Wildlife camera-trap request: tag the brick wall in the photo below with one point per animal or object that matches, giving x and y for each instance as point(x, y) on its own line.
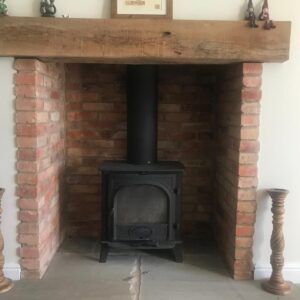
point(96, 131)
point(237, 123)
point(40, 141)
point(186, 123)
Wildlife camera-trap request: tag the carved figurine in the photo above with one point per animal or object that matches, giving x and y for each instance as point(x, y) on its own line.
point(3, 8)
point(48, 8)
point(5, 284)
point(265, 16)
point(277, 285)
point(251, 17)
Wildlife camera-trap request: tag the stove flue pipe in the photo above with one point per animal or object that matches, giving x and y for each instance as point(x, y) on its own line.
point(142, 102)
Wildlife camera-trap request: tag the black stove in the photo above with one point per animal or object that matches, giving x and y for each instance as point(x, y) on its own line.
point(141, 197)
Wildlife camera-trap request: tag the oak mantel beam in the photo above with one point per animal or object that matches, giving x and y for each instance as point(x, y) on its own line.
point(143, 41)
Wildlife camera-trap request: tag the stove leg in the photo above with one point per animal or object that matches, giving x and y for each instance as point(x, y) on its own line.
point(103, 253)
point(177, 252)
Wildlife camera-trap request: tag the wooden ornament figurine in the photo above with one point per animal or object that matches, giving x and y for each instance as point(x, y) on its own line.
point(48, 8)
point(5, 284)
point(265, 16)
point(251, 17)
point(3, 8)
point(276, 285)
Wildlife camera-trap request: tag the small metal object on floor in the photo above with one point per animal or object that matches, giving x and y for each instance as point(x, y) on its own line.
point(277, 285)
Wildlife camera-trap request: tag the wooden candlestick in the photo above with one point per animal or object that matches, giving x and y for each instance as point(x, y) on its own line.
point(276, 285)
point(5, 284)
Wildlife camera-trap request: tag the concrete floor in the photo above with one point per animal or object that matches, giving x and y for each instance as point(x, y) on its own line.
point(75, 274)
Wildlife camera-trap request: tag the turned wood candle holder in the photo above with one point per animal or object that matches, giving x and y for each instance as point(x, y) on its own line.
point(5, 284)
point(277, 285)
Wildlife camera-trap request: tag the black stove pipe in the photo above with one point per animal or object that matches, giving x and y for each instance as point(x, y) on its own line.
point(142, 95)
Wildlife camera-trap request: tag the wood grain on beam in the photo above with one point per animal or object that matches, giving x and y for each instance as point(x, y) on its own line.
point(143, 41)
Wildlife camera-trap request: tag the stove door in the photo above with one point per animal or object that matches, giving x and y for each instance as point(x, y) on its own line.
point(141, 213)
point(142, 207)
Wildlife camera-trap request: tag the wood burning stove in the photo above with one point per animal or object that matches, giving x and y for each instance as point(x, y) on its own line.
point(141, 197)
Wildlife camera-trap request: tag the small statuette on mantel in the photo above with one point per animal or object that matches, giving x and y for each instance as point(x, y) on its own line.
point(48, 8)
point(3, 8)
point(251, 17)
point(265, 16)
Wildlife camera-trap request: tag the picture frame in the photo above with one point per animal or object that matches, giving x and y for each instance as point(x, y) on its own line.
point(141, 9)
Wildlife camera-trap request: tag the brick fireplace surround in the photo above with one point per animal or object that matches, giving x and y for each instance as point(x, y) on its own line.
point(70, 117)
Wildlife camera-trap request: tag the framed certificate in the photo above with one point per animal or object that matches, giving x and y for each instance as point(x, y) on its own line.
point(142, 9)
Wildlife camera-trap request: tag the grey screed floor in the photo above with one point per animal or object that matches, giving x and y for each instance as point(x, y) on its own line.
point(75, 274)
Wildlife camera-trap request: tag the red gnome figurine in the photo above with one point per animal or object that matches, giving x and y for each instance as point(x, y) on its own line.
point(265, 16)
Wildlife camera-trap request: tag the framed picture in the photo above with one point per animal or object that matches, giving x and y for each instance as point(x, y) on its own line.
point(142, 9)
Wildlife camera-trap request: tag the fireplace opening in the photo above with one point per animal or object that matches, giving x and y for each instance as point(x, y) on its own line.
point(72, 117)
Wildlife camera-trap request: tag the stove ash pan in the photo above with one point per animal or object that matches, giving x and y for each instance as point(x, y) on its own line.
point(141, 206)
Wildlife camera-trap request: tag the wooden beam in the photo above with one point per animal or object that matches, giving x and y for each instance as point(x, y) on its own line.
point(143, 41)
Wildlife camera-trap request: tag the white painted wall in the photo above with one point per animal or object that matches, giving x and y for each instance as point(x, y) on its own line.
point(7, 167)
point(280, 122)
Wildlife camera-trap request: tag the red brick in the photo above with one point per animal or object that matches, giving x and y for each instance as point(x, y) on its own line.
point(28, 239)
point(98, 107)
point(250, 120)
point(26, 191)
point(251, 95)
point(247, 171)
point(31, 142)
point(29, 252)
point(250, 133)
point(247, 182)
point(27, 166)
point(26, 117)
point(244, 253)
point(29, 78)
point(251, 108)
point(244, 243)
point(28, 216)
point(30, 264)
point(27, 91)
point(25, 64)
point(246, 194)
point(42, 117)
point(55, 116)
point(31, 130)
point(248, 158)
point(25, 178)
point(245, 218)
point(81, 116)
point(28, 228)
point(252, 82)
point(24, 104)
point(28, 204)
point(30, 65)
point(252, 68)
point(73, 96)
point(27, 130)
point(27, 154)
point(244, 231)
point(249, 146)
point(56, 95)
point(246, 206)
